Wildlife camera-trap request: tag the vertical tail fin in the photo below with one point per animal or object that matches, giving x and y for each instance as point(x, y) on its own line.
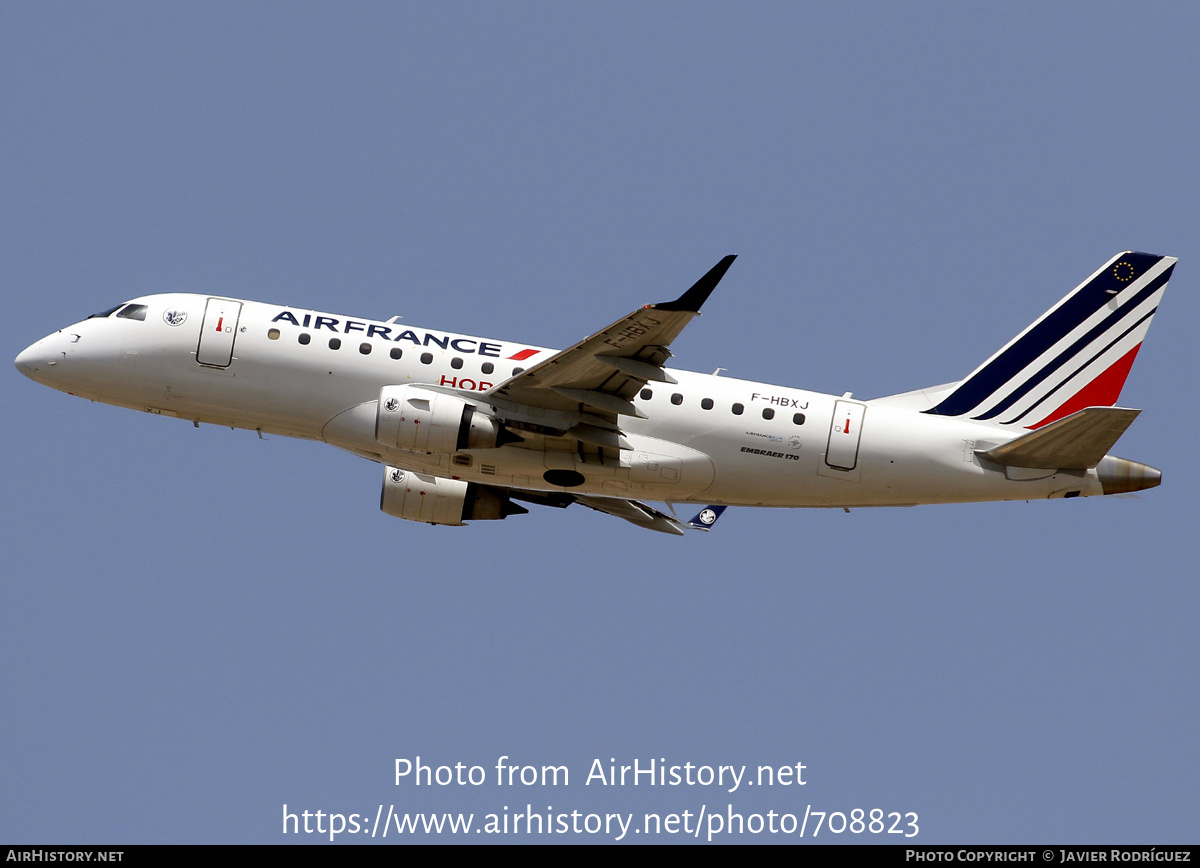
point(1076, 355)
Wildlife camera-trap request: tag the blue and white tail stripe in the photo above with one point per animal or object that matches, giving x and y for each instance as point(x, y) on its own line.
point(1076, 355)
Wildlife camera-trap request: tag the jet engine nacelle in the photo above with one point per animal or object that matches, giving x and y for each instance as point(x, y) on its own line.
point(436, 500)
point(424, 420)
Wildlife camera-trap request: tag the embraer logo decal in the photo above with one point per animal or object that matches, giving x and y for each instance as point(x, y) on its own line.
point(422, 339)
point(770, 454)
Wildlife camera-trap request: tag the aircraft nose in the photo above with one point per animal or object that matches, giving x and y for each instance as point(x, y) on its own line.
point(37, 360)
point(27, 360)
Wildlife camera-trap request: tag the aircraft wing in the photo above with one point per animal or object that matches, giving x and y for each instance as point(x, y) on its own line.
point(595, 380)
point(633, 511)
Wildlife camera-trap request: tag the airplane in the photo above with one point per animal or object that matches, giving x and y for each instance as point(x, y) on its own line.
point(469, 428)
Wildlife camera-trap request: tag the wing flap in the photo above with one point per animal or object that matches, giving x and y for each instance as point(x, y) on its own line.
point(638, 368)
point(601, 401)
point(606, 438)
point(634, 512)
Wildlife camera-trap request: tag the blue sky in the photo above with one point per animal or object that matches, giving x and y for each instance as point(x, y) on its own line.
point(202, 626)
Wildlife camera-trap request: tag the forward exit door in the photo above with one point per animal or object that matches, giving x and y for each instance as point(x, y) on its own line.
point(218, 331)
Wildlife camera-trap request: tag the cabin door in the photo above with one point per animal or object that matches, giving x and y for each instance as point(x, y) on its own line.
point(218, 332)
point(844, 432)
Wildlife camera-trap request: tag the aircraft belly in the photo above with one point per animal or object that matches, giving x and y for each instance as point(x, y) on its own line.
point(678, 476)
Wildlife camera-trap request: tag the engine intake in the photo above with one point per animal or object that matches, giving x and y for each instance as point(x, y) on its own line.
point(424, 420)
point(436, 500)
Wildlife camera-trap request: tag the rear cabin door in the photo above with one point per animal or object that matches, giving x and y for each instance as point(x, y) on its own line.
point(844, 431)
point(218, 332)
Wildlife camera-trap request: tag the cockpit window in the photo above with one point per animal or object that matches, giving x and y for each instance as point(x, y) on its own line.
point(134, 311)
point(108, 312)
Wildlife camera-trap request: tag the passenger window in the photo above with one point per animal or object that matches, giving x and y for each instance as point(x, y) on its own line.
point(738, 409)
point(335, 343)
point(677, 399)
point(456, 363)
point(304, 338)
point(396, 352)
point(646, 394)
point(517, 371)
point(426, 358)
point(364, 348)
point(134, 311)
point(488, 367)
point(798, 418)
point(768, 413)
point(273, 334)
point(706, 404)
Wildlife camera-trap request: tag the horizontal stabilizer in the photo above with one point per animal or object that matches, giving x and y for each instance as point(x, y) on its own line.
point(1078, 442)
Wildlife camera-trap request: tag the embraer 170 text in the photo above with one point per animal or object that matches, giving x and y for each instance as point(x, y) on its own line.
point(466, 427)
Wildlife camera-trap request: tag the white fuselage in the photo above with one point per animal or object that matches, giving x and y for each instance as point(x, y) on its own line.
point(706, 439)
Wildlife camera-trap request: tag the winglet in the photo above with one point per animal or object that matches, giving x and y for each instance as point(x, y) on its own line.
point(701, 289)
point(706, 518)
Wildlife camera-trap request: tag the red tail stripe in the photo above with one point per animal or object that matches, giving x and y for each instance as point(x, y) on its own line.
point(1100, 392)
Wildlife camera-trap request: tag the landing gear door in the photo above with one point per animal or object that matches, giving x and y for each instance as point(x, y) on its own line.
point(218, 331)
point(844, 432)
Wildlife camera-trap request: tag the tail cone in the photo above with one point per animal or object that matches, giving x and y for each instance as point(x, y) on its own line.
point(1120, 475)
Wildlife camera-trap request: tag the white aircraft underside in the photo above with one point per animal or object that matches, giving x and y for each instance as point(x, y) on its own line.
point(465, 426)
